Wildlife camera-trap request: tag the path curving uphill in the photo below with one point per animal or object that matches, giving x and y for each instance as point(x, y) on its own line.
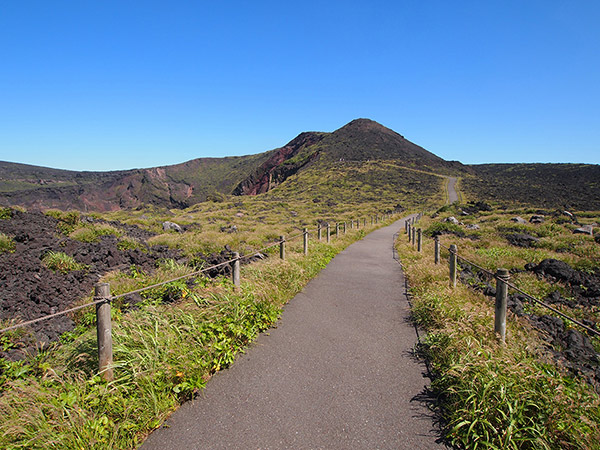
point(338, 371)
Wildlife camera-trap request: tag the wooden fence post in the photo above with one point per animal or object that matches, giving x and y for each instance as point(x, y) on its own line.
point(364, 223)
point(502, 277)
point(282, 247)
point(436, 254)
point(327, 230)
point(351, 223)
point(337, 230)
point(419, 242)
point(453, 252)
point(372, 220)
point(414, 235)
point(344, 227)
point(235, 270)
point(408, 232)
point(357, 224)
point(305, 238)
point(319, 232)
point(104, 331)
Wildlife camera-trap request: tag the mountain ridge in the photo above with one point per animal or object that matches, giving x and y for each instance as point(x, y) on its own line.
point(321, 155)
point(184, 184)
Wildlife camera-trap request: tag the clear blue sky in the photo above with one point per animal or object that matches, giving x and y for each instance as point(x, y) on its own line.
point(100, 85)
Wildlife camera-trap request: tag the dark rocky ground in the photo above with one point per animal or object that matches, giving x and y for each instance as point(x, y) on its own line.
point(29, 290)
point(571, 347)
point(563, 186)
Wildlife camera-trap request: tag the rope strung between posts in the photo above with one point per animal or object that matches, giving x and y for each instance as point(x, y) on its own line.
point(531, 297)
point(50, 316)
point(545, 305)
point(137, 291)
point(491, 274)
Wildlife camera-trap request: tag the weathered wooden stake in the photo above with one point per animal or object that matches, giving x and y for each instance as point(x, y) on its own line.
point(414, 235)
point(357, 224)
point(372, 220)
point(337, 230)
point(319, 232)
point(436, 253)
point(235, 270)
point(351, 223)
point(502, 277)
point(453, 252)
point(364, 223)
point(344, 227)
point(408, 231)
point(282, 247)
point(305, 238)
point(419, 237)
point(328, 233)
point(104, 331)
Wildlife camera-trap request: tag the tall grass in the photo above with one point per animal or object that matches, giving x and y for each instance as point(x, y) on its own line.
point(61, 262)
point(165, 350)
point(494, 396)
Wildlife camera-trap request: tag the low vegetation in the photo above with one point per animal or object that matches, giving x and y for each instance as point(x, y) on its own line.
point(7, 244)
point(167, 342)
point(564, 186)
point(61, 262)
point(522, 395)
point(92, 232)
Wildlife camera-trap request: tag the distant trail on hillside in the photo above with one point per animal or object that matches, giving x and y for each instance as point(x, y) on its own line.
point(338, 371)
point(450, 188)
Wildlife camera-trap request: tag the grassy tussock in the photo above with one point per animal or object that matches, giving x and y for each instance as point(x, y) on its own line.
point(91, 233)
point(493, 396)
point(164, 354)
point(7, 243)
point(61, 262)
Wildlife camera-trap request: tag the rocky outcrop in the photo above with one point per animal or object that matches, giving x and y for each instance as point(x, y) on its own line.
point(283, 163)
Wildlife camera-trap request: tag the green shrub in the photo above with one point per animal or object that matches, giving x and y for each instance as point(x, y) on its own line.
point(6, 243)
point(444, 228)
point(5, 213)
point(61, 262)
point(91, 233)
point(67, 221)
point(127, 243)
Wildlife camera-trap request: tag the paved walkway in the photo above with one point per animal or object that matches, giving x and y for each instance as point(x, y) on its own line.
point(451, 189)
point(336, 373)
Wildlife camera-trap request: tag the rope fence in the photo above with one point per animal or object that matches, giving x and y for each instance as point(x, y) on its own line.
point(103, 298)
point(502, 277)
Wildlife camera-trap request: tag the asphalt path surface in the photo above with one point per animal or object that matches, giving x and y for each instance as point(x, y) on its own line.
point(452, 194)
point(336, 373)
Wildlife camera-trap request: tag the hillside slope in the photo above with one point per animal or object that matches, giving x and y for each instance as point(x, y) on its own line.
point(360, 141)
point(564, 186)
point(175, 186)
point(183, 185)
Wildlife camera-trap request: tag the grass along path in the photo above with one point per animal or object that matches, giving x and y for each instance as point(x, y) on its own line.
point(337, 372)
point(497, 396)
point(164, 354)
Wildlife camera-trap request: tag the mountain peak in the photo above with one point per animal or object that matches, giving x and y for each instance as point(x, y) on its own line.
point(363, 124)
point(365, 139)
